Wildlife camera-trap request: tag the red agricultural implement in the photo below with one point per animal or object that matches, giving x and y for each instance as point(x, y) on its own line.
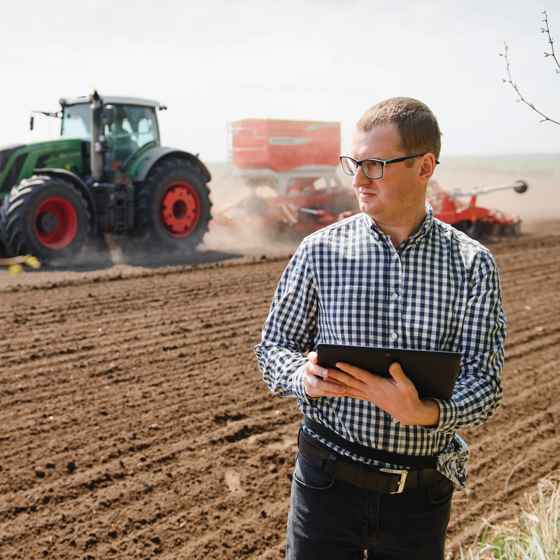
point(470, 218)
point(290, 167)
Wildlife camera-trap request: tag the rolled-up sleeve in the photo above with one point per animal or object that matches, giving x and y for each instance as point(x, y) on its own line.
point(478, 392)
point(288, 333)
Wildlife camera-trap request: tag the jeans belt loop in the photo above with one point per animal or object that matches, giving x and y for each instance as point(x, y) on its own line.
point(361, 480)
point(329, 464)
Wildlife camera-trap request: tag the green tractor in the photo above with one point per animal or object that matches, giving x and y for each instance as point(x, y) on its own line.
point(106, 174)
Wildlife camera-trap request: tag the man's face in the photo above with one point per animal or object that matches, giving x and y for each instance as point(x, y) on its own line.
point(396, 198)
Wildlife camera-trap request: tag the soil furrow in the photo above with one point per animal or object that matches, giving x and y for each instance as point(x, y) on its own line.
point(136, 423)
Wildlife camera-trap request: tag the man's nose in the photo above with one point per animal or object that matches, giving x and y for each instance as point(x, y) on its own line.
point(360, 177)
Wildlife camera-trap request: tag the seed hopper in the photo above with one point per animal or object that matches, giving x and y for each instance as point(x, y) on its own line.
point(291, 169)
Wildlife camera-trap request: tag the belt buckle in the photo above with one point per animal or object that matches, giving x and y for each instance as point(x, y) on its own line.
point(402, 481)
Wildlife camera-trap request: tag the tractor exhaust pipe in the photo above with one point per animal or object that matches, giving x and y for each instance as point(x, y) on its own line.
point(97, 140)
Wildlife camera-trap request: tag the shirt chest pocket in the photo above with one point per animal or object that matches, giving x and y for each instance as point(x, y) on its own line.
point(347, 315)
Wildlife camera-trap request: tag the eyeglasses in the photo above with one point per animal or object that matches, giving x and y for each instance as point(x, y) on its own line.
point(372, 168)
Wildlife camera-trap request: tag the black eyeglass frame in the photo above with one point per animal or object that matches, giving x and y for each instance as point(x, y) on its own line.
point(381, 161)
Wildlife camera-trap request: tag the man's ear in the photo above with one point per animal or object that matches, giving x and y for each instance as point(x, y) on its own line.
point(427, 168)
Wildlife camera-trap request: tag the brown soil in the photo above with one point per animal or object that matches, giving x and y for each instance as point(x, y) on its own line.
point(135, 423)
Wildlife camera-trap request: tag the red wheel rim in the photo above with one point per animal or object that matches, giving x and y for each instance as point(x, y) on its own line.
point(179, 210)
point(56, 223)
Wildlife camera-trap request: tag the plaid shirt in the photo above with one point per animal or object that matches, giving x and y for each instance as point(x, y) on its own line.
point(347, 284)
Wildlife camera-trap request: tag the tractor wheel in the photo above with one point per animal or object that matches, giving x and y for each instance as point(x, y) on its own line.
point(172, 207)
point(46, 217)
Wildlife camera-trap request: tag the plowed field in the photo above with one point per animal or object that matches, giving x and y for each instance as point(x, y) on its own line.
point(135, 424)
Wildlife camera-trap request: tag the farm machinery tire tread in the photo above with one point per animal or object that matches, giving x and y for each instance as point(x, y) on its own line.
point(28, 203)
point(172, 207)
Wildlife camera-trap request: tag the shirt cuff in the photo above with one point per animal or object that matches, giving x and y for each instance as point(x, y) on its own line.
point(298, 386)
point(448, 417)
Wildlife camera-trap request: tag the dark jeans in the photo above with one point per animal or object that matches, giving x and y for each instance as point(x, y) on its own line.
point(333, 520)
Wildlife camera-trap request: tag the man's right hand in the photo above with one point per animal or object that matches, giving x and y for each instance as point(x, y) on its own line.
point(316, 381)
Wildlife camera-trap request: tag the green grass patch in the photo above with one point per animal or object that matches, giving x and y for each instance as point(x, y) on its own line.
point(534, 535)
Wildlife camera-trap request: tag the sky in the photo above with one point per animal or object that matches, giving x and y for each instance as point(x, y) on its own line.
point(212, 62)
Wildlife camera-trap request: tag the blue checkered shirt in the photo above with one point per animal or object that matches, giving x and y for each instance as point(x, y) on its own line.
point(347, 284)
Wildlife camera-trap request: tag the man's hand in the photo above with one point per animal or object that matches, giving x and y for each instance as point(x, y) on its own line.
point(318, 382)
point(395, 395)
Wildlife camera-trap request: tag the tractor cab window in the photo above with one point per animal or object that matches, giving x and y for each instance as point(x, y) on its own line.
point(133, 127)
point(76, 122)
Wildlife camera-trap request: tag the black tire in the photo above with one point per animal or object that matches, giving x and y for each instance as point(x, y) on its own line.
point(470, 228)
point(46, 217)
point(172, 207)
point(4, 253)
point(512, 230)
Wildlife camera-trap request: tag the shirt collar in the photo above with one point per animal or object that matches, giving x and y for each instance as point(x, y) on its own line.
point(424, 228)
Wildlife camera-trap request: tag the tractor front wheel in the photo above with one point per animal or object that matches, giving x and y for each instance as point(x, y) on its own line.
point(46, 217)
point(172, 207)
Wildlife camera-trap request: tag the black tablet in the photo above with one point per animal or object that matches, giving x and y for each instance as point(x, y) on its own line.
point(433, 373)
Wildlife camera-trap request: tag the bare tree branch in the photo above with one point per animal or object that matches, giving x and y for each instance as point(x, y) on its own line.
point(546, 54)
point(551, 42)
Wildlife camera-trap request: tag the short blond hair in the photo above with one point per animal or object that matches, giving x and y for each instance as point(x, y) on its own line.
point(416, 124)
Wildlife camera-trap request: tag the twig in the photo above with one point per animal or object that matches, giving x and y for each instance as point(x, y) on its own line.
point(514, 85)
point(551, 42)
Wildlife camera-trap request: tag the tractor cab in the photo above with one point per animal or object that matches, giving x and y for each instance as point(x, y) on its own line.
point(128, 124)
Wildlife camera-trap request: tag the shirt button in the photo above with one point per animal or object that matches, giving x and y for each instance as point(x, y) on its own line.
point(395, 256)
point(394, 335)
point(394, 296)
point(395, 420)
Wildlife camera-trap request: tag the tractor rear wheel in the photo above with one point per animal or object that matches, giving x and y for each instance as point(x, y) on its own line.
point(172, 207)
point(46, 217)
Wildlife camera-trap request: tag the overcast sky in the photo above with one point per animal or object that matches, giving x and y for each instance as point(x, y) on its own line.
point(216, 61)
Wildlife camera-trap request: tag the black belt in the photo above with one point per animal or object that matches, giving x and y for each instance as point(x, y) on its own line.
point(379, 455)
point(385, 481)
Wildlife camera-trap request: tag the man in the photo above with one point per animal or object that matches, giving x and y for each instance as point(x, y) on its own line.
point(391, 276)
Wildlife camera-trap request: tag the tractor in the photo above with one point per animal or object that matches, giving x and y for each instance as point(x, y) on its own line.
point(107, 173)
